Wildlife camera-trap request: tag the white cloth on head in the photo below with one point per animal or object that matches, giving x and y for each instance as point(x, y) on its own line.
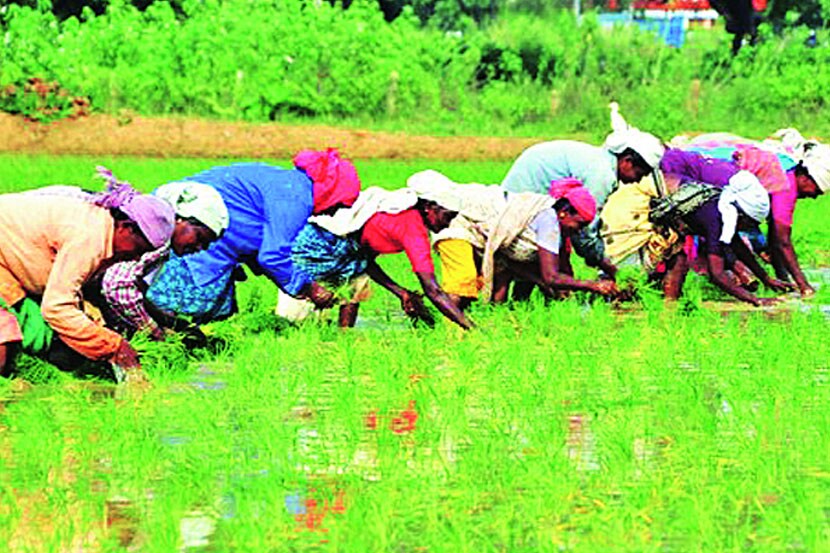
point(817, 162)
point(198, 201)
point(746, 192)
point(624, 136)
point(476, 201)
point(347, 220)
point(647, 145)
point(436, 187)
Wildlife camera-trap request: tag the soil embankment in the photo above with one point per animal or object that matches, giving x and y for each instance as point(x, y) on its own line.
point(174, 137)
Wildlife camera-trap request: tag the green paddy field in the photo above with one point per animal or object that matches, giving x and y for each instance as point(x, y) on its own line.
point(574, 426)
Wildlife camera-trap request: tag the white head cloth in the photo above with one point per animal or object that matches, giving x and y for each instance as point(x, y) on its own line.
point(436, 187)
point(624, 136)
point(198, 201)
point(347, 220)
point(817, 162)
point(747, 192)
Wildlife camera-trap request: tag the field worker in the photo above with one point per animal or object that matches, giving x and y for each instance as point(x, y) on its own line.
point(344, 245)
point(52, 241)
point(201, 218)
point(267, 205)
point(627, 155)
point(716, 215)
point(794, 170)
point(522, 234)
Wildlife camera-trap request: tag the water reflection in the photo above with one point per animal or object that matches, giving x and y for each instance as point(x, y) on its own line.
point(581, 443)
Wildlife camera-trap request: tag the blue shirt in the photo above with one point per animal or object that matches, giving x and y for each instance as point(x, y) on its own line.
point(542, 163)
point(268, 206)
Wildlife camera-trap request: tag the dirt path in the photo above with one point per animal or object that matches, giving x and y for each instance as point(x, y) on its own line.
point(168, 137)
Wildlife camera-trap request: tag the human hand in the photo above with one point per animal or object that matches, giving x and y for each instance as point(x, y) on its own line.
point(413, 305)
point(779, 285)
point(807, 291)
point(127, 367)
point(126, 357)
point(320, 296)
point(767, 302)
point(606, 288)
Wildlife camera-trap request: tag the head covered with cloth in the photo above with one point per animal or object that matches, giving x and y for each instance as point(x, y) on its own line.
point(52, 240)
point(154, 217)
point(743, 195)
point(201, 214)
point(638, 153)
point(335, 179)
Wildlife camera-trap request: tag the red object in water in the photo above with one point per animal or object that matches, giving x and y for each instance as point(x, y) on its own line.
point(339, 506)
point(406, 422)
point(312, 519)
point(372, 420)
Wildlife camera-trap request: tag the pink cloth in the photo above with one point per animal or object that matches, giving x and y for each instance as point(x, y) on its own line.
point(335, 179)
point(155, 217)
point(782, 203)
point(764, 165)
point(578, 196)
point(400, 232)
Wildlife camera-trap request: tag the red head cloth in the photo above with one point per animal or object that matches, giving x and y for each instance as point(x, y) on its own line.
point(335, 179)
point(578, 196)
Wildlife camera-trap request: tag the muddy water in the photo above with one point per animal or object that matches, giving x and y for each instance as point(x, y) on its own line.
point(782, 311)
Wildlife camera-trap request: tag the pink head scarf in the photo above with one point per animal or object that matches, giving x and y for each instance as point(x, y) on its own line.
point(335, 179)
point(578, 196)
point(155, 217)
point(764, 165)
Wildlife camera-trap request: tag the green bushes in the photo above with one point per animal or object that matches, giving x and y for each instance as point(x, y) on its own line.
point(520, 74)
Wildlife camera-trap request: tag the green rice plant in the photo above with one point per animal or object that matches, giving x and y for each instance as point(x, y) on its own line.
point(551, 426)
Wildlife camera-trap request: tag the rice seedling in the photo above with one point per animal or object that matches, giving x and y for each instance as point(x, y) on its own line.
point(565, 426)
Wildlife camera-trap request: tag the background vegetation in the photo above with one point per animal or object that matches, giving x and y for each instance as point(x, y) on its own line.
point(512, 69)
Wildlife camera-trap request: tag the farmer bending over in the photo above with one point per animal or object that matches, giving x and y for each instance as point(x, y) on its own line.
point(201, 218)
point(53, 240)
point(627, 155)
point(343, 246)
point(268, 206)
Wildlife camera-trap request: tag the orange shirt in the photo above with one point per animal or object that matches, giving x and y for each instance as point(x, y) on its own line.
point(49, 246)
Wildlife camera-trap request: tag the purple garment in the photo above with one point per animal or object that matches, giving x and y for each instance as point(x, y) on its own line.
point(155, 217)
point(692, 166)
point(706, 222)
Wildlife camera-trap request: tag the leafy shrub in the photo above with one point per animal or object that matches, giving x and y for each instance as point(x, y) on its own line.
point(38, 100)
point(278, 59)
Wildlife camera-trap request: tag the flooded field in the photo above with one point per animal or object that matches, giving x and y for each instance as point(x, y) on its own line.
point(550, 428)
point(563, 427)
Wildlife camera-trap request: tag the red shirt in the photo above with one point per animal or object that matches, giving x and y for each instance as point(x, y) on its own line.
point(400, 232)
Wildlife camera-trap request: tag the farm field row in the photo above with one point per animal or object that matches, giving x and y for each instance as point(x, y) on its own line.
point(572, 426)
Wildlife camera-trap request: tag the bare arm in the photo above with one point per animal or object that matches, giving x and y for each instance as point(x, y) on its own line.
point(411, 302)
point(784, 253)
point(379, 275)
point(442, 301)
point(744, 254)
point(552, 278)
point(718, 275)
